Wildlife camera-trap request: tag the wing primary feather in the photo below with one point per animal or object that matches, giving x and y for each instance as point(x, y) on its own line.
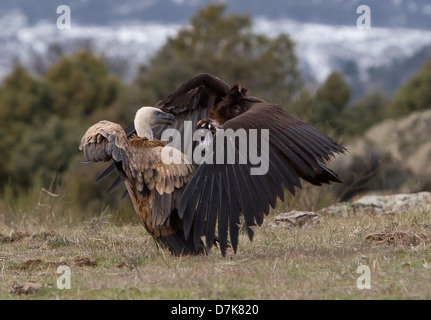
point(281, 169)
point(250, 232)
point(187, 194)
point(260, 203)
point(115, 185)
point(245, 203)
point(201, 213)
point(212, 213)
point(106, 173)
point(223, 216)
point(308, 144)
point(294, 153)
point(125, 195)
point(288, 175)
point(323, 140)
point(191, 206)
point(265, 182)
point(255, 194)
point(234, 211)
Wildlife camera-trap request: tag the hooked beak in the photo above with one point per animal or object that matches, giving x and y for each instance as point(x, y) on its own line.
point(165, 118)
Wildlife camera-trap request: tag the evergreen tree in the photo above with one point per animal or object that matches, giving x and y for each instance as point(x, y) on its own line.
point(225, 46)
point(364, 113)
point(415, 95)
point(81, 85)
point(42, 120)
point(331, 100)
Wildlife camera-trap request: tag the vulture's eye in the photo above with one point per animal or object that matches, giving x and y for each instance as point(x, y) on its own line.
point(158, 113)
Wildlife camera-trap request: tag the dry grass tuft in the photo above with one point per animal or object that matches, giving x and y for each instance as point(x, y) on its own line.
point(405, 238)
point(13, 236)
point(29, 287)
point(85, 262)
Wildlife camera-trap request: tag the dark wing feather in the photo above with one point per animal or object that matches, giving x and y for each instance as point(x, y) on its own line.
point(196, 93)
point(296, 150)
point(115, 185)
point(191, 102)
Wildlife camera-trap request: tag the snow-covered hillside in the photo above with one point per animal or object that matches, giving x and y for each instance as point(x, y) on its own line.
point(320, 48)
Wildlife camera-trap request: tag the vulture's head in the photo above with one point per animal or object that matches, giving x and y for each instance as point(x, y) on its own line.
point(149, 117)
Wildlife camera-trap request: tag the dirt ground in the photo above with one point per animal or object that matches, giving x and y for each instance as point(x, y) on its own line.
point(329, 260)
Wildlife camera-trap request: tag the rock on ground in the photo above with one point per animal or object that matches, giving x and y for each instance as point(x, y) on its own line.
point(296, 218)
point(374, 204)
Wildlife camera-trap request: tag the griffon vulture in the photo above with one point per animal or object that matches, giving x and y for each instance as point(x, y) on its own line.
point(154, 187)
point(217, 195)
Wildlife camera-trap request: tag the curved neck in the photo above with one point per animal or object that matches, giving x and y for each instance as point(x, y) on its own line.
point(145, 132)
point(143, 127)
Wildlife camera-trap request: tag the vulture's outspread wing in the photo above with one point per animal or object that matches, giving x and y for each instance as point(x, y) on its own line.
point(296, 150)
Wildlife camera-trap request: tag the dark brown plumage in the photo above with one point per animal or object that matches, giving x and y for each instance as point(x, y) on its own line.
point(217, 195)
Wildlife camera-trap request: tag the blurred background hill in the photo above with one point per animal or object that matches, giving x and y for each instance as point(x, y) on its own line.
point(390, 13)
point(367, 88)
point(325, 34)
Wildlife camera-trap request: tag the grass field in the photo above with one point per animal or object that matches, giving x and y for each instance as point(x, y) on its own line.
point(317, 262)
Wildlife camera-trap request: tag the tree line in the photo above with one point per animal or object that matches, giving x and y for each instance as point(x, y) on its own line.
point(43, 117)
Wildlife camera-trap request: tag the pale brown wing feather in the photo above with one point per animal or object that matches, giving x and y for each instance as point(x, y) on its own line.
point(164, 181)
point(104, 141)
